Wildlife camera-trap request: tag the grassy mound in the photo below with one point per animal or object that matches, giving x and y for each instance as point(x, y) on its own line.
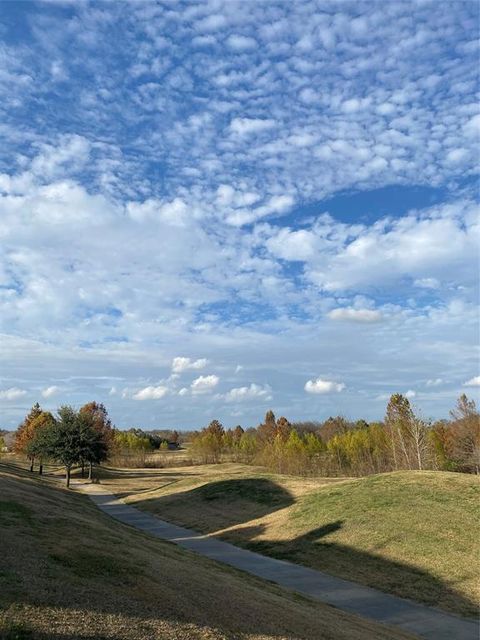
point(68, 571)
point(414, 534)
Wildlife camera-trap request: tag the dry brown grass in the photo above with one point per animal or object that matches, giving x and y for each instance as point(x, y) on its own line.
point(68, 571)
point(414, 534)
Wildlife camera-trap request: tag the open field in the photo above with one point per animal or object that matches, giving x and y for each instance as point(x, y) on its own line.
point(68, 571)
point(414, 534)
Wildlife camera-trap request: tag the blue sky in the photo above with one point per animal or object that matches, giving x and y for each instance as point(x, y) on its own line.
point(210, 209)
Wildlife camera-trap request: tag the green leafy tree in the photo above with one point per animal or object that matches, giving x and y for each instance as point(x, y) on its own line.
point(63, 441)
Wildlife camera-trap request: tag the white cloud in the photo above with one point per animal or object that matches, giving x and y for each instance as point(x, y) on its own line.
point(323, 386)
point(180, 364)
point(204, 384)
point(151, 393)
point(241, 43)
point(239, 394)
point(456, 156)
point(427, 246)
point(350, 314)
point(245, 126)
point(183, 391)
point(410, 393)
point(472, 127)
point(212, 22)
point(427, 283)
point(123, 246)
point(12, 394)
point(434, 382)
point(173, 213)
point(473, 382)
point(50, 391)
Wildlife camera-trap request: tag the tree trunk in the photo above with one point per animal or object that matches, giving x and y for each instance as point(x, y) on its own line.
point(40, 468)
point(404, 447)
point(67, 476)
point(394, 448)
point(83, 469)
point(32, 460)
point(90, 470)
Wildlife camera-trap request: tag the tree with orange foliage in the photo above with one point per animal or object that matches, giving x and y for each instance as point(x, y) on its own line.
point(96, 415)
point(25, 434)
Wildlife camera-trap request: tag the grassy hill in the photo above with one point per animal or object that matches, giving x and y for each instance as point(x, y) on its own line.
point(68, 571)
point(414, 534)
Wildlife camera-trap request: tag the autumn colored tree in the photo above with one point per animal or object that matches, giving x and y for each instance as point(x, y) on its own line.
point(238, 433)
point(94, 416)
point(465, 435)
point(266, 431)
point(209, 443)
point(333, 426)
point(35, 448)
point(283, 428)
point(25, 434)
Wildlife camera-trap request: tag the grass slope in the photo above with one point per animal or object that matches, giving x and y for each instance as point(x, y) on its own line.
point(68, 571)
point(414, 534)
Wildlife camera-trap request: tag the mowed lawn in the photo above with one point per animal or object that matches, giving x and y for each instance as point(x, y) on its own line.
point(415, 534)
point(69, 571)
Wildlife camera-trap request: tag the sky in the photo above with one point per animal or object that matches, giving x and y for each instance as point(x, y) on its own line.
point(210, 209)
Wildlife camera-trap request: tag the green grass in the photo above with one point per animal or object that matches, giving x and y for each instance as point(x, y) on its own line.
point(414, 534)
point(79, 574)
point(12, 512)
point(257, 490)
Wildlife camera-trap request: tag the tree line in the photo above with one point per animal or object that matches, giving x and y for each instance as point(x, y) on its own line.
point(70, 438)
point(338, 447)
point(84, 438)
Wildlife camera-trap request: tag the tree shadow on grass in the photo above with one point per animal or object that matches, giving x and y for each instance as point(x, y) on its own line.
point(221, 504)
point(314, 550)
point(230, 503)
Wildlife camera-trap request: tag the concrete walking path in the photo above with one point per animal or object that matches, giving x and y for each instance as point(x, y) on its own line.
point(417, 619)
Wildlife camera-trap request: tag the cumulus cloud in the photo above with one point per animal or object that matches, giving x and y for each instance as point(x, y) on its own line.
point(237, 202)
point(473, 382)
point(424, 246)
point(241, 43)
point(434, 382)
point(350, 314)
point(292, 245)
point(204, 384)
point(50, 391)
point(410, 393)
point(245, 126)
point(13, 393)
point(253, 391)
point(151, 393)
point(320, 386)
point(180, 364)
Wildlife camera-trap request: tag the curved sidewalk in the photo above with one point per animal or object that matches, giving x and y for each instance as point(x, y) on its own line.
point(423, 621)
